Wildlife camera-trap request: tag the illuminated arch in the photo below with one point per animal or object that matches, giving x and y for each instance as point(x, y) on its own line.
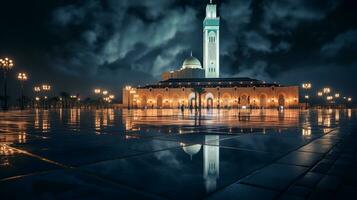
point(281, 99)
point(144, 101)
point(226, 98)
point(209, 98)
point(244, 99)
point(263, 98)
point(159, 101)
point(191, 99)
point(175, 101)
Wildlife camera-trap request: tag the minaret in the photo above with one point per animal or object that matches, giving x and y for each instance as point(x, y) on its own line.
point(211, 162)
point(211, 41)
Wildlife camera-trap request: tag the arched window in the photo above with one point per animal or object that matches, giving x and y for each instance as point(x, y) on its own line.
point(212, 37)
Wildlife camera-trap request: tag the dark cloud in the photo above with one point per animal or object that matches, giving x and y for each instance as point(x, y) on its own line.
point(115, 42)
point(342, 48)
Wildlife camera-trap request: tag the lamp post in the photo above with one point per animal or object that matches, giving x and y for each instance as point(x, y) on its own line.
point(97, 92)
point(105, 98)
point(306, 86)
point(326, 92)
point(22, 77)
point(128, 88)
point(6, 65)
point(37, 90)
point(46, 88)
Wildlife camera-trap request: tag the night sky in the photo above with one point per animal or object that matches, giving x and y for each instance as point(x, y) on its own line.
point(78, 45)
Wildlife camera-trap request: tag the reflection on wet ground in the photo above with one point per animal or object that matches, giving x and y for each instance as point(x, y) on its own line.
point(169, 154)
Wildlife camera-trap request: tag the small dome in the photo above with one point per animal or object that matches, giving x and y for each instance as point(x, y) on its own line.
point(191, 62)
point(192, 149)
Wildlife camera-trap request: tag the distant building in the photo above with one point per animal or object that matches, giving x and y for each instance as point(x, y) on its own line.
point(177, 87)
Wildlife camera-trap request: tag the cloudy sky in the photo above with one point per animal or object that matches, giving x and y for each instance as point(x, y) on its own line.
point(78, 45)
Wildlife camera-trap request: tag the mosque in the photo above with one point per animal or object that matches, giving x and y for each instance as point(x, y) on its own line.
point(194, 85)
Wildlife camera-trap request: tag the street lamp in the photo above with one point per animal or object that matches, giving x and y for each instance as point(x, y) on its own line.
point(320, 94)
point(326, 90)
point(105, 92)
point(22, 77)
point(97, 91)
point(306, 86)
point(37, 89)
point(46, 88)
point(128, 88)
point(349, 99)
point(6, 65)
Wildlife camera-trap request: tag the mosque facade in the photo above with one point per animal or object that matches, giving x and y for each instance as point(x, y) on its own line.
point(194, 85)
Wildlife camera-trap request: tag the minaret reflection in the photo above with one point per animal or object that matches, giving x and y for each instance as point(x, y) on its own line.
point(211, 162)
point(210, 159)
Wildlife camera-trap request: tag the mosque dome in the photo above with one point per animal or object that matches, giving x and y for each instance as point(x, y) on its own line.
point(191, 150)
point(191, 62)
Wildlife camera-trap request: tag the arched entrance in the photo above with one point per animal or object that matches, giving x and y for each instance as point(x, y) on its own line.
point(144, 101)
point(209, 103)
point(263, 100)
point(175, 102)
point(281, 100)
point(244, 100)
point(159, 101)
point(191, 100)
point(226, 100)
point(209, 100)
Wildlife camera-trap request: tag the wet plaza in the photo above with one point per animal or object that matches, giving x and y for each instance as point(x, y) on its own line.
point(169, 154)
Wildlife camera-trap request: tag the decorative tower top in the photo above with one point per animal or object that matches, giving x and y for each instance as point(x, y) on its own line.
point(211, 10)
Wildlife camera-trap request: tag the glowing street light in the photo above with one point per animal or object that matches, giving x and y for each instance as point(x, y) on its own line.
point(6, 65)
point(329, 98)
point(97, 91)
point(22, 77)
point(306, 85)
point(320, 94)
point(111, 96)
point(349, 99)
point(37, 89)
point(327, 90)
point(337, 95)
point(46, 87)
point(105, 92)
point(128, 89)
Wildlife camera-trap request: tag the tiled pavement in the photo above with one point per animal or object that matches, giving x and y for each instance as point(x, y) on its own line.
point(322, 169)
point(189, 163)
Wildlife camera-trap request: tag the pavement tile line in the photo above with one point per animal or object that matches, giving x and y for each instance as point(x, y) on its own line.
point(75, 169)
point(273, 161)
point(309, 169)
